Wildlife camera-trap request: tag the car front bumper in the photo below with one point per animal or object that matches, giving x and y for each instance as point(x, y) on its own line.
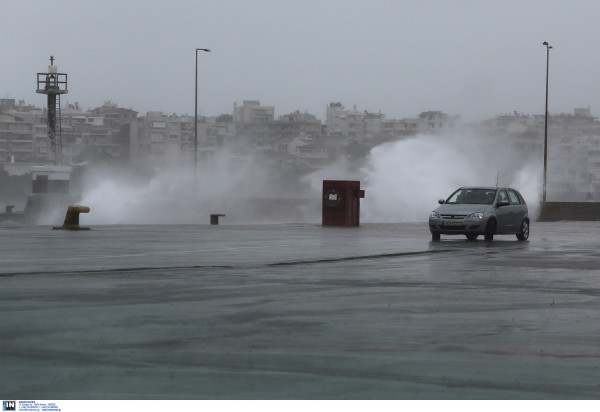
point(457, 227)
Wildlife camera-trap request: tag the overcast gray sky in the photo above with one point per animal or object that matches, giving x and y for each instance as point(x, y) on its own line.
point(474, 58)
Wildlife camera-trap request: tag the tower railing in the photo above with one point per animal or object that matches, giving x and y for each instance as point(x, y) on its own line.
point(52, 82)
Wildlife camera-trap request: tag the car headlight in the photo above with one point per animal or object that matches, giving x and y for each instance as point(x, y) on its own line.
point(434, 215)
point(476, 216)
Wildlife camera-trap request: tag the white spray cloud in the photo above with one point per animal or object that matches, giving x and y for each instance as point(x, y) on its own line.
point(114, 200)
point(406, 178)
point(528, 180)
point(179, 194)
point(403, 181)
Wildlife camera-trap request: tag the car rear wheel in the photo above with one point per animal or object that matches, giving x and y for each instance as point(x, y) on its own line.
point(472, 237)
point(524, 233)
point(490, 230)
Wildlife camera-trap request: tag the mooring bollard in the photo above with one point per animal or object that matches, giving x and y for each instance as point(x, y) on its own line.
point(72, 218)
point(214, 218)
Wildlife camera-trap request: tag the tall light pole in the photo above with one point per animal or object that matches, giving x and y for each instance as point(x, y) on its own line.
point(548, 47)
point(196, 113)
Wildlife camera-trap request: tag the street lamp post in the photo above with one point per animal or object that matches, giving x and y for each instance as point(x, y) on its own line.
point(196, 113)
point(548, 47)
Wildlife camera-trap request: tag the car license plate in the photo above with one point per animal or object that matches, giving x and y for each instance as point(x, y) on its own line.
point(452, 223)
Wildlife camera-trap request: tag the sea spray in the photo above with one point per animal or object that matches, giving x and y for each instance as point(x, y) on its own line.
point(403, 181)
point(246, 189)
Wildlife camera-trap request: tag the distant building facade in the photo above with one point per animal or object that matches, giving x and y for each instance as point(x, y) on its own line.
point(573, 172)
point(102, 133)
point(367, 126)
point(21, 132)
point(255, 125)
point(113, 134)
point(160, 135)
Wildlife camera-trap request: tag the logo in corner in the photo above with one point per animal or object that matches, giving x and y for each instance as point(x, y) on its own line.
point(9, 405)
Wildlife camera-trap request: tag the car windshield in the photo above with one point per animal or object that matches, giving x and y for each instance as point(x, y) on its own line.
point(473, 196)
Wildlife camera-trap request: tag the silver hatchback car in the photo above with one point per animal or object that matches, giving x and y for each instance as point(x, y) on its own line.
point(474, 211)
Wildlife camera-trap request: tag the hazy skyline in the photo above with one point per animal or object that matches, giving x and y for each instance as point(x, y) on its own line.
point(470, 58)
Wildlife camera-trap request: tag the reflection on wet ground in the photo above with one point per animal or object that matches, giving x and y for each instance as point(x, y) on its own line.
point(299, 311)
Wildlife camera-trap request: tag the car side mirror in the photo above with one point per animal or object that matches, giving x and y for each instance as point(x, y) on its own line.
point(503, 203)
point(441, 201)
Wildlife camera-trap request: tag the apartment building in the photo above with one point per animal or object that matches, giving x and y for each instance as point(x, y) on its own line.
point(160, 134)
point(16, 138)
point(251, 111)
point(111, 133)
point(574, 155)
point(255, 125)
point(573, 171)
point(102, 133)
point(367, 126)
point(20, 129)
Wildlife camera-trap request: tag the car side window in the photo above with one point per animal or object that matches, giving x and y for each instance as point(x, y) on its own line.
point(502, 196)
point(514, 199)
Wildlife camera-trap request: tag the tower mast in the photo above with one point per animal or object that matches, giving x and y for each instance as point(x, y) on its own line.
point(53, 84)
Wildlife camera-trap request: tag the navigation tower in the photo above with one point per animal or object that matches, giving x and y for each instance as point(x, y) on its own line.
point(53, 84)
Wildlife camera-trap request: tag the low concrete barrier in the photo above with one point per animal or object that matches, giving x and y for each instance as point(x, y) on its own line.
point(553, 211)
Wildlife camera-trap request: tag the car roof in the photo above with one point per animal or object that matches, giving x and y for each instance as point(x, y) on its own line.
point(487, 188)
point(477, 187)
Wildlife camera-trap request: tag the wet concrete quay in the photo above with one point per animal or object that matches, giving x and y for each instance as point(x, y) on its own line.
point(299, 312)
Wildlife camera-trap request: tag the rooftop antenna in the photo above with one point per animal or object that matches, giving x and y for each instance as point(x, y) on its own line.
point(497, 177)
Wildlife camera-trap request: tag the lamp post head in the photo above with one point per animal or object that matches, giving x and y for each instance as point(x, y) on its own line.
point(547, 45)
point(204, 50)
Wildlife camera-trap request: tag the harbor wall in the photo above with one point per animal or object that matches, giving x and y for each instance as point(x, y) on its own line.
point(553, 211)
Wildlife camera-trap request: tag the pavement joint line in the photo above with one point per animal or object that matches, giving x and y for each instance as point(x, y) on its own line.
point(361, 257)
point(275, 264)
point(173, 252)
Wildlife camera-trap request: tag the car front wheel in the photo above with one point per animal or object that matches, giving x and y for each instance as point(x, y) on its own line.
point(524, 233)
point(490, 230)
point(435, 236)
